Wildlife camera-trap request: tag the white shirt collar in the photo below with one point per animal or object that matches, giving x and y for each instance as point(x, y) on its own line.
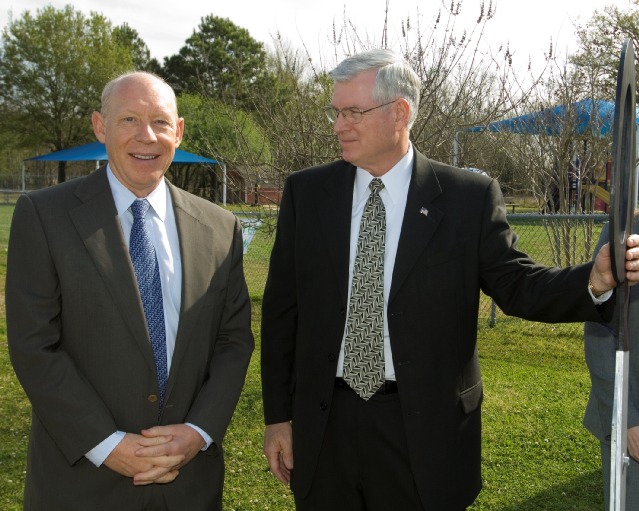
point(124, 197)
point(395, 181)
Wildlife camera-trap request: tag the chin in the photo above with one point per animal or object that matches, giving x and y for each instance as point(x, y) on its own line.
point(348, 156)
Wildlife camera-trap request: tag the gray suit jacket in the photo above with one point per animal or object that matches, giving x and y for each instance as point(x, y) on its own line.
point(80, 348)
point(600, 345)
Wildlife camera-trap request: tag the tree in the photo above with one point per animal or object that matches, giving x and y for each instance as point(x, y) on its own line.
point(220, 60)
point(53, 67)
point(600, 43)
point(461, 86)
point(220, 131)
point(130, 38)
point(561, 166)
point(293, 112)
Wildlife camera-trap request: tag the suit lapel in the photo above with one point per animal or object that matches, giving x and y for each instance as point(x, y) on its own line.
point(334, 217)
point(421, 219)
point(97, 224)
point(198, 265)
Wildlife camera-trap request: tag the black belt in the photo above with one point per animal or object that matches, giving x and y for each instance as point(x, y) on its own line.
point(388, 387)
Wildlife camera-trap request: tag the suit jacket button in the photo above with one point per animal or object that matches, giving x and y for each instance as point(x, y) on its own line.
point(331, 357)
point(323, 406)
point(152, 398)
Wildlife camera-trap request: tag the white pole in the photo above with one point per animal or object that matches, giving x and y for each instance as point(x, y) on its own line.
point(223, 183)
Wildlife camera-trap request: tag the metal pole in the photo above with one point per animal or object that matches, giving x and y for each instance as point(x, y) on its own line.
point(623, 200)
point(223, 183)
point(456, 149)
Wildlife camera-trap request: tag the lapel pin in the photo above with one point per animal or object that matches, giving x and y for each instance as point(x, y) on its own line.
point(424, 211)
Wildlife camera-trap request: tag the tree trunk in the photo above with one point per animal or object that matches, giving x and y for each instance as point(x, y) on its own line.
point(62, 171)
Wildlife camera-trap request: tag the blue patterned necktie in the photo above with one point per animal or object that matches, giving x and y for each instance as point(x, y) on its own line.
point(364, 345)
point(147, 273)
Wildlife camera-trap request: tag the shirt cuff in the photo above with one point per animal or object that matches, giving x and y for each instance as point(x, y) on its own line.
point(101, 452)
point(205, 436)
point(603, 298)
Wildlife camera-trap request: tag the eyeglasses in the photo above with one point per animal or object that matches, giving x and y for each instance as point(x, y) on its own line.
point(351, 115)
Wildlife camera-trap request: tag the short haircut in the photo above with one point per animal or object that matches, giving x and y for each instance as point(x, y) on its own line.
point(395, 77)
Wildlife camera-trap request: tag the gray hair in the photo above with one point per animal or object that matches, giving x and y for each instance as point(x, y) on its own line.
point(107, 92)
point(395, 77)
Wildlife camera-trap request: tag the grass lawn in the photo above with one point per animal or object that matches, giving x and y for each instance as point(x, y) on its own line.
point(536, 454)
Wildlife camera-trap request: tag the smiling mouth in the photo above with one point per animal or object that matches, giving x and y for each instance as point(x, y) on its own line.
point(145, 156)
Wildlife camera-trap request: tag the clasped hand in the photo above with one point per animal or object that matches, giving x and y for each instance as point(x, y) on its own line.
point(156, 455)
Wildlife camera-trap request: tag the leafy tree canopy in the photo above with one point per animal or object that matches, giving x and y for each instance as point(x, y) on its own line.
point(216, 130)
point(220, 60)
point(130, 38)
point(53, 66)
point(600, 43)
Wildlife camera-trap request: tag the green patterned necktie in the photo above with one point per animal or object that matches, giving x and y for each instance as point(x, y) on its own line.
point(364, 346)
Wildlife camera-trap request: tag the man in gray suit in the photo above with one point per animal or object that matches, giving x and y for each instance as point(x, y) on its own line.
point(116, 412)
point(600, 344)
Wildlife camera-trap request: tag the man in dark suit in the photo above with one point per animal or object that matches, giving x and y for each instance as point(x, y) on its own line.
point(371, 383)
point(600, 347)
point(118, 408)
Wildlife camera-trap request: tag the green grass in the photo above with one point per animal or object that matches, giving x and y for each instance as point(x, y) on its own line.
point(536, 454)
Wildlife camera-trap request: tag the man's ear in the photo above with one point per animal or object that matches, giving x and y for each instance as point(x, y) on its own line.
point(179, 132)
point(98, 126)
point(402, 112)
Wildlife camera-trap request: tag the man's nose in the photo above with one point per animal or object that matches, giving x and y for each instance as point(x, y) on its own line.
point(146, 133)
point(340, 124)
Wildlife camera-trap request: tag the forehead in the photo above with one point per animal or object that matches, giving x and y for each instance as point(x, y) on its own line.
point(358, 91)
point(142, 93)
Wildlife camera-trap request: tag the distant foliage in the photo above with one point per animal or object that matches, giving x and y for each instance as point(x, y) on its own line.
point(53, 66)
point(219, 60)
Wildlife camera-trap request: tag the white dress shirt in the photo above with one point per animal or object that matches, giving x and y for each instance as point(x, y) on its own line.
point(160, 223)
point(394, 194)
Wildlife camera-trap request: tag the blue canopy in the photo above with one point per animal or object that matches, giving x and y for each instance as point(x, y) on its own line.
point(96, 151)
point(587, 115)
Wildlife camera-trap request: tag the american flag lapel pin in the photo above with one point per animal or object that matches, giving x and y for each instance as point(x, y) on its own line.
point(424, 211)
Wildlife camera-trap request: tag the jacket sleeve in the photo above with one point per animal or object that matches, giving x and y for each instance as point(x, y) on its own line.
point(279, 318)
point(233, 344)
point(66, 404)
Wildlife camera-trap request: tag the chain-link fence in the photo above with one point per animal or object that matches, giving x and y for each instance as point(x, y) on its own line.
point(554, 240)
point(9, 197)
